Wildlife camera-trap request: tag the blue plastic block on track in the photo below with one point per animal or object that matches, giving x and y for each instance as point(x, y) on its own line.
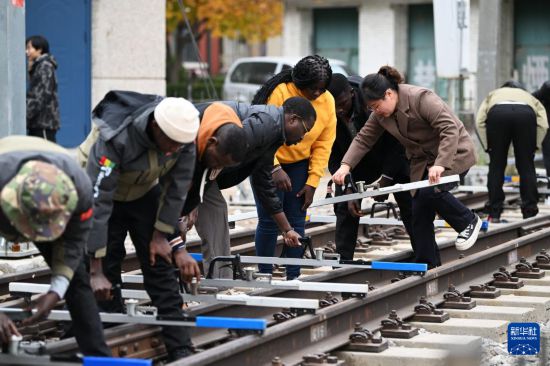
point(484, 225)
point(115, 361)
point(231, 323)
point(196, 256)
point(397, 266)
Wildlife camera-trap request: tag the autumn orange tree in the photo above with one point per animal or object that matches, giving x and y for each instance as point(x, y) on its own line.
point(250, 20)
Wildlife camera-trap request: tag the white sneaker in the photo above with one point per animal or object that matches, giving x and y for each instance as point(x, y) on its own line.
point(467, 238)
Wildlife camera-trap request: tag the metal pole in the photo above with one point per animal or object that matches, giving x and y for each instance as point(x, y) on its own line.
point(12, 68)
point(461, 23)
point(544, 346)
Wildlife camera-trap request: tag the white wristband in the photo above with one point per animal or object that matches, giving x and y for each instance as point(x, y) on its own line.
point(59, 285)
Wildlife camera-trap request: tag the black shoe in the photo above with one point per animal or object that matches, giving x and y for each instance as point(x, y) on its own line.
point(467, 238)
point(179, 354)
point(529, 212)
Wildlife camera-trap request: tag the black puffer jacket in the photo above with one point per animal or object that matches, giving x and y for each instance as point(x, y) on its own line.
point(264, 128)
point(42, 101)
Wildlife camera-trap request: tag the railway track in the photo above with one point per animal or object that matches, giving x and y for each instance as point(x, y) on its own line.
point(329, 328)
point(242, 242)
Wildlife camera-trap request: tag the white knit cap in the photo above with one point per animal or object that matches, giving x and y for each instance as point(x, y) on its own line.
point(178, 119)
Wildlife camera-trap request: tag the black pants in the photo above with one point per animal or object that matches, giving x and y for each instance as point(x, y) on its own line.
point(138, 217)
point(517, 124)
point(425, 204)
point(82, 306)
point(546, 154)
point(347, 225)
point(44, 133)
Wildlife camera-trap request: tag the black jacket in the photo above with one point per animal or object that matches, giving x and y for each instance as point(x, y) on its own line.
point(42, 101)
point(124, 164)
point(264, 128)
point(387, 155)
point(69, 248)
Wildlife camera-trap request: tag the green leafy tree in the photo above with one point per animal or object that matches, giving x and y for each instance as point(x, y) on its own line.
point(250, 20)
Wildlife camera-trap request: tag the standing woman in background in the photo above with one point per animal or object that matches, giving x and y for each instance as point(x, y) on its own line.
point(436, 143)
point(298, 168)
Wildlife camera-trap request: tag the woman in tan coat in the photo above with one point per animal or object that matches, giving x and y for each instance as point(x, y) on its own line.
point(436, 144)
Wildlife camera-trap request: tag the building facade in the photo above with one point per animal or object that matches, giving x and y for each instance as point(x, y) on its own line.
point(100, 45)
point(507, 39)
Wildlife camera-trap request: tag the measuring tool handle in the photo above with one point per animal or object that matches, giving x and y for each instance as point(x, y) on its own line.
point(196, 256)
point(398, 266)
point(231, 323)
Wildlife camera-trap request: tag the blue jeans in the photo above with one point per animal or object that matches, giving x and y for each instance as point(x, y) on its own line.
point(267, 230)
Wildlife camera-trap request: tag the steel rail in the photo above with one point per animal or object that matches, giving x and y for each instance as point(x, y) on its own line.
point(321, 332)
point(203, 338)
point(117, 335)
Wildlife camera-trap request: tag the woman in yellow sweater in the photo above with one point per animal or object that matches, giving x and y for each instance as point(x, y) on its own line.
point(297, 168)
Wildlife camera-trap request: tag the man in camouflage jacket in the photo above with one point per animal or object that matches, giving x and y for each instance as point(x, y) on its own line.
point(42, 101)
point(46, 198)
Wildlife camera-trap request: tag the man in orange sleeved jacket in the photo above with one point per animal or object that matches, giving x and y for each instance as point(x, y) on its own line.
point(267, 128)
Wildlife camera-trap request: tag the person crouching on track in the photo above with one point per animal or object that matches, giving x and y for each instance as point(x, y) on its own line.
point(298, 168)
point(267, 128)
point(507, 115)
point(140, 157)
point(436, 143)
point(47, 198)
point(386, 160)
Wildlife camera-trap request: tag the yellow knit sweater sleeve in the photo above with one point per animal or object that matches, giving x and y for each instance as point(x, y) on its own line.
point(321, 148)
